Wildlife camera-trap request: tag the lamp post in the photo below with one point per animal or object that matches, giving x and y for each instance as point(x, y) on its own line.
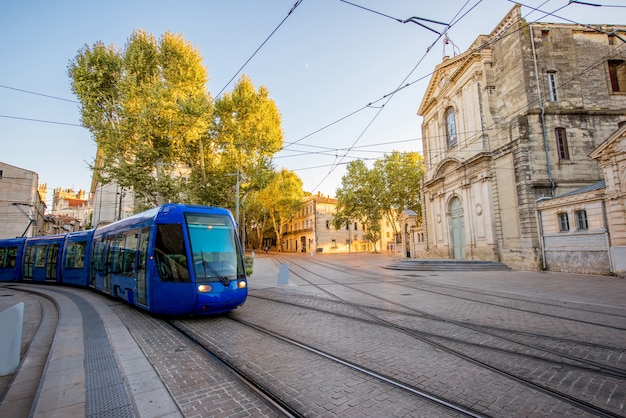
point(239, 178)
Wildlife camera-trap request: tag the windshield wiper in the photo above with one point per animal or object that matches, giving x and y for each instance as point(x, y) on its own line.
point(205, 264)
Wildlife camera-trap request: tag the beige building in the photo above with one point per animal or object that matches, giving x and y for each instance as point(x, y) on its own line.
point(312, 230)
point(75, 206)
point(22, 207)
point(511, 120)
point(585, 231)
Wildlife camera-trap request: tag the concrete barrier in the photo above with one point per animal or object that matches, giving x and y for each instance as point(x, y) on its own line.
point(11, 321)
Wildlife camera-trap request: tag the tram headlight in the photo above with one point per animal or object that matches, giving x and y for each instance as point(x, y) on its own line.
point(204, 288)
point(242, 284)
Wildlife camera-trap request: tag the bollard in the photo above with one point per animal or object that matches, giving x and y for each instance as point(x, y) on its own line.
point(11, 321)
point(283, 274)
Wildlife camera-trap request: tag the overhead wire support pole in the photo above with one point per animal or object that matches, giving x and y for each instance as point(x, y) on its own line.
point(31, 218)
point(413, 19)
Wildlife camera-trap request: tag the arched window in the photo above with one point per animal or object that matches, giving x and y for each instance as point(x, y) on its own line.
point(450, 127)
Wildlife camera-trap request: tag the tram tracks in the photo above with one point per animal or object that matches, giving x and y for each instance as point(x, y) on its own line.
point(282, 398)
point(512, 302)
point(481, 353)
point(569, 361)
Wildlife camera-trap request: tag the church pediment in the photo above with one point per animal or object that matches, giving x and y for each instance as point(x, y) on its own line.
point(613, 144)
point(447, 166)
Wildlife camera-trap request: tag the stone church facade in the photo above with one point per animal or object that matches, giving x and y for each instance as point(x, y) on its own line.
point(509, 121)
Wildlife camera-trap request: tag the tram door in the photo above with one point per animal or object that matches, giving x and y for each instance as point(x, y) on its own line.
point(457, 228)
point(52, 260)
point(144, 239)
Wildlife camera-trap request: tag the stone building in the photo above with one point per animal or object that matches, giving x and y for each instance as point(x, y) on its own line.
point(513, 119)
point(611, 155)
point(22, 206)
point(411, 242)
point(312, 230)
point(585, 231)
point(70, 205)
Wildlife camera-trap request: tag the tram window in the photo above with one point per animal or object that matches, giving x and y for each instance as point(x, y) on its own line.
point(169, 252)
point(8, 257)
point(111, 250)
point(28, 262)
point(98, 254)
point(40, 257)
point(130, 252)
point(143, 248)
point(214, 248)
point(52, 259)
point(75, 255)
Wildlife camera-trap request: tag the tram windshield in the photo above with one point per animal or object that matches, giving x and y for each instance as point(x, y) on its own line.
point(214, 248)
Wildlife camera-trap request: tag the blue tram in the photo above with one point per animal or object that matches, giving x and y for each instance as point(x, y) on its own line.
point(174, 260)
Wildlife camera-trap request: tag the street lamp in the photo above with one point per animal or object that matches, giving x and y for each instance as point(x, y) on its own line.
point(239, 178)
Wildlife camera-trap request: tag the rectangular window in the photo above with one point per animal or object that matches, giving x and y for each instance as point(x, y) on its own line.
point(581, 220)
point(40, 258)
point(617, 74)
point(563, 222)
point(75, 255)
point(29, 260)
point(552, 86)
point(561, 144)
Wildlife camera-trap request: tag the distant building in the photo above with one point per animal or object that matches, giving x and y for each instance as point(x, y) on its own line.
point(312, 230)
point(412, 238)
point(511, 120)
point(22, 207)
point(73, 207)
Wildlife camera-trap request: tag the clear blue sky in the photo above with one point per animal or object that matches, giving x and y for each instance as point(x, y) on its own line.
point(327, 60)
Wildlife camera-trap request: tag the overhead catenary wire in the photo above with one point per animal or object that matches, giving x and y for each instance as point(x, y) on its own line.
point(413, 19)
point(454, 21)
point(297, 3)
point(369, 106)
point(483, 46)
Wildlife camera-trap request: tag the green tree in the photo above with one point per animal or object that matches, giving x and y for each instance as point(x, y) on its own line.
point(359, 198)
point(402, 173)
point(281, 199)
point(245, 134)
point(370, 195)
point(148, 110)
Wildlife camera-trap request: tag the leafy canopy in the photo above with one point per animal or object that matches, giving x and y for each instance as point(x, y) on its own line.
point(158, 130)
point(371, 195)
point(282, 199)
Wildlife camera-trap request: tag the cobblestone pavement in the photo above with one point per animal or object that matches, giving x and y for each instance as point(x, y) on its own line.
point(582, 316)
point(550, 328)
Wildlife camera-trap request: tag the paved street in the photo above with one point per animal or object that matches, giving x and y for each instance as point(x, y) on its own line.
point(424, 344)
